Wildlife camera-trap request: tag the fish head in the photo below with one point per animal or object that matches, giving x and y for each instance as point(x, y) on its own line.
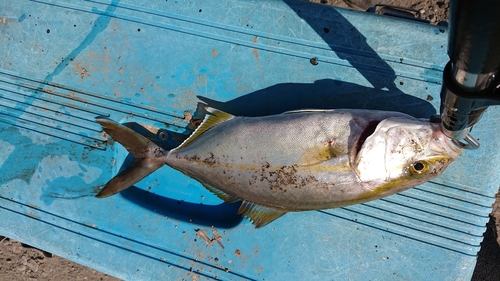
point(403, 152)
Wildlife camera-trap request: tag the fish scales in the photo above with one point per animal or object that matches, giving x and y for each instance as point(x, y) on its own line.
point(296, 161)
point(258, 158)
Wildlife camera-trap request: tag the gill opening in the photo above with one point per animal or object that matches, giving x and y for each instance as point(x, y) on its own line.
point(367, 131)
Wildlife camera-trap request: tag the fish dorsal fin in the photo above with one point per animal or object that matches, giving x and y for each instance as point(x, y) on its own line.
point(259, 215)
point(221, 194)
point(215, 117)
point(305, 110)
point(320, 153)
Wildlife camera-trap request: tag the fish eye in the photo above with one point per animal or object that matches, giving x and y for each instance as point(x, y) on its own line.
point(419, 167)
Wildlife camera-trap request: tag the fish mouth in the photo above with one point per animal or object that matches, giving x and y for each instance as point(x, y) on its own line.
point(358, 144)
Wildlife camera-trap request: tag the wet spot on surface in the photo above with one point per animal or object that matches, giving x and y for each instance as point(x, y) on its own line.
point(6, 149)
point(22, 18)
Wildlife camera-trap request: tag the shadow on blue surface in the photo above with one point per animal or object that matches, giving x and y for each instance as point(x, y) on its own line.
point(342, 43)
point(322, 94)
point(223, 215)
point(330, 93)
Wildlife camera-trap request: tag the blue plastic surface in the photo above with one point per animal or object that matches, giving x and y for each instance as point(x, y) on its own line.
point(62, 63)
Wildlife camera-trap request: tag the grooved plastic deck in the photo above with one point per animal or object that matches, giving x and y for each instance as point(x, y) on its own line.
point(63, 63)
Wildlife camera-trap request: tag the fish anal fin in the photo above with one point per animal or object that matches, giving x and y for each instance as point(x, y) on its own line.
point(320, 153)
point(260, 215)
point(221, 194)
point(215, 117)
point(136, 171)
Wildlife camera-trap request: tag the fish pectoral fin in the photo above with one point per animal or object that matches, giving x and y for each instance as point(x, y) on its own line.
point(318, 154)
point(259, 215)
point(215, 117)
point(221, 194)
point(136, 171)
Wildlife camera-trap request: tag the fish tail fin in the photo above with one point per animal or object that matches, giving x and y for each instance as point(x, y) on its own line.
point(148, 157)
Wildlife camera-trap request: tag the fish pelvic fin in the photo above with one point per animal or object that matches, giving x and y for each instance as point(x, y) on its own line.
point(148, 157)
point(260, 215)
point(215, 117)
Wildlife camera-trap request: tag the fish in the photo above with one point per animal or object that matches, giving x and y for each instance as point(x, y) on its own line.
point(295, 161)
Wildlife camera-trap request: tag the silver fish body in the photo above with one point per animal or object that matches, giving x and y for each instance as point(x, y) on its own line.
point(296, 161)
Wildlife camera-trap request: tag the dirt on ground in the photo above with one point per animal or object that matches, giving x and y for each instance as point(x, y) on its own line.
point(434, 11)
point(22, 262)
